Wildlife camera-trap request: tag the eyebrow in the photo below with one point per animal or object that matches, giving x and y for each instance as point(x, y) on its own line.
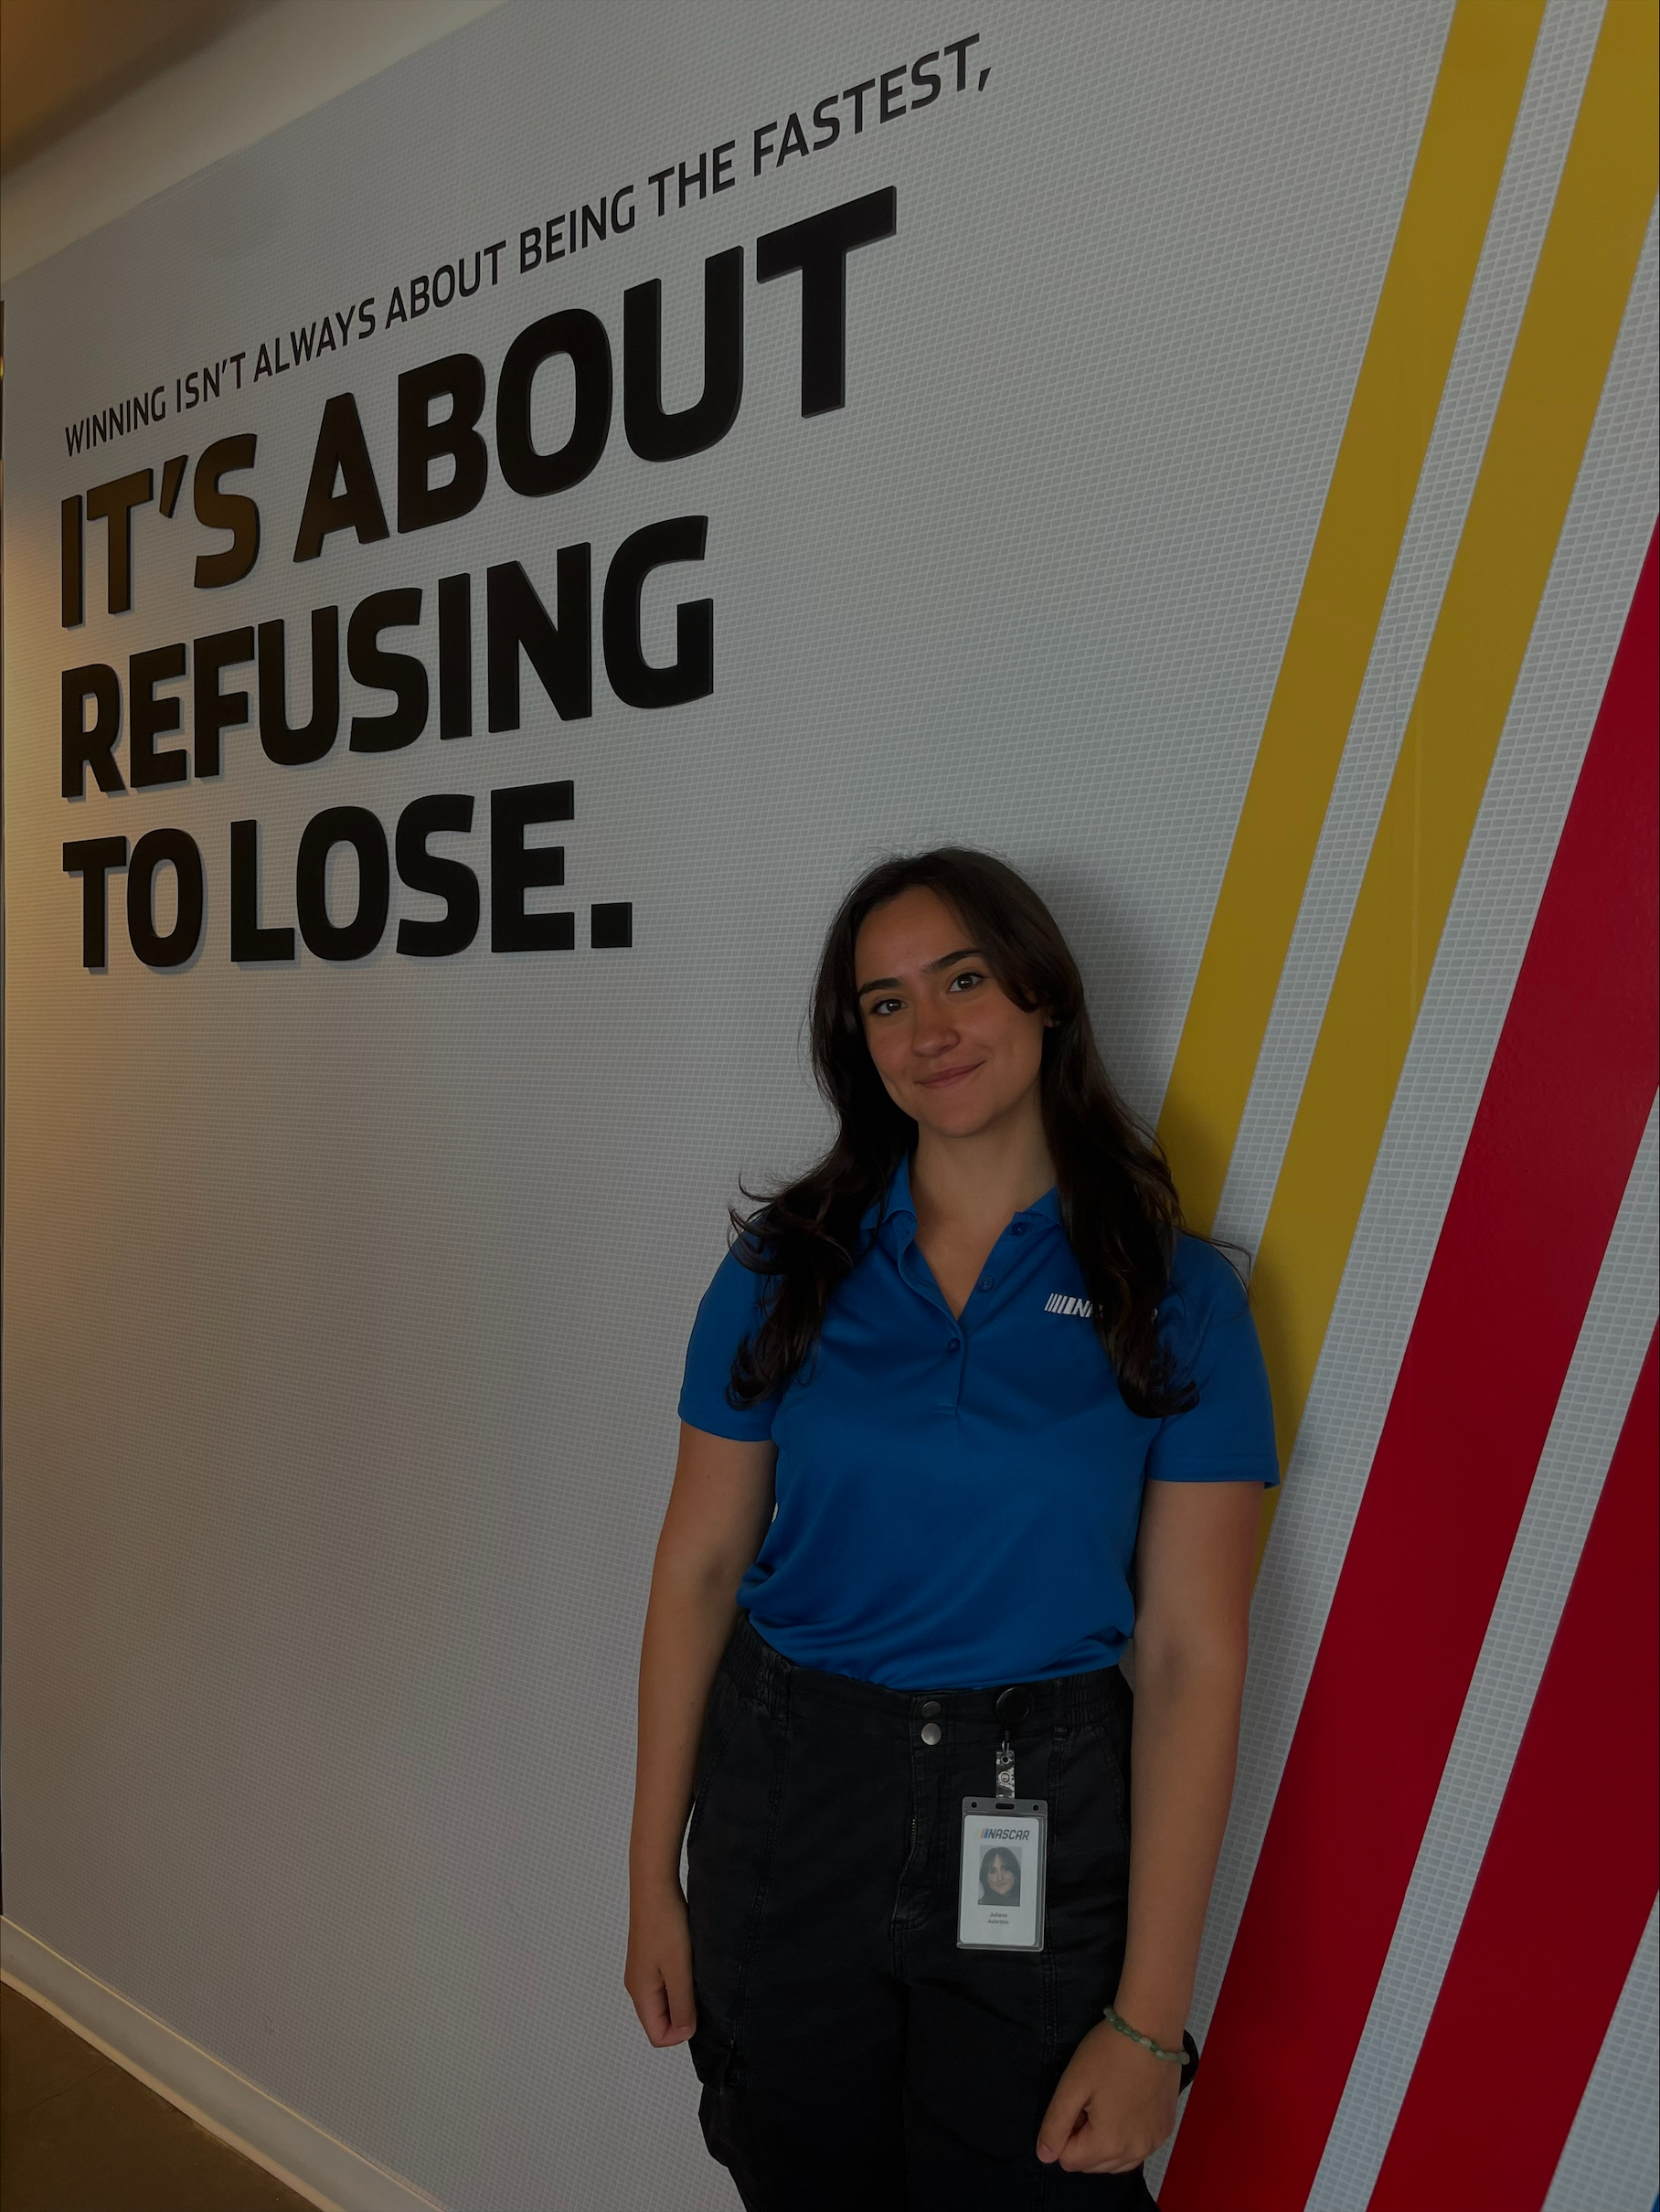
point(946, 959)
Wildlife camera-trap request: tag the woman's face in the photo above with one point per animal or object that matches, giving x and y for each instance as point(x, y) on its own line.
point(999, 1875)
point(951, 1049)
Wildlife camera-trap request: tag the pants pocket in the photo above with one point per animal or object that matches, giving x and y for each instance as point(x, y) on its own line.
point(728, 1848)
point(719, 1723)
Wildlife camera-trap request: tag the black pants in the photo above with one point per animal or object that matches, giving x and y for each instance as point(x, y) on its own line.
point(852, 2058)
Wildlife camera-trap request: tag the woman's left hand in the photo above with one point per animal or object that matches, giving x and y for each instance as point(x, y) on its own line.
point(1115, 2104)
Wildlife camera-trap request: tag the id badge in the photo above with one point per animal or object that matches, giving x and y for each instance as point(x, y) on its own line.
point(1000, 1891)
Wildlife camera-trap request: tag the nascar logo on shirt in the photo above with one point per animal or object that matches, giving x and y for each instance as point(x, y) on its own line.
point(1059, 1303)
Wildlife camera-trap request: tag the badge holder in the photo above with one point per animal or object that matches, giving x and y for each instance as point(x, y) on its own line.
point(1005, 1853)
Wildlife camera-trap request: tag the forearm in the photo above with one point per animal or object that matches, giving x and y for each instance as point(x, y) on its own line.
point(1184, 1745)
point(687, 1625)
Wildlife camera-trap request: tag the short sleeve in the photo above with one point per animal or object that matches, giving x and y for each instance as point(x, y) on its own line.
point(728, 1312)
point(1227, 1435)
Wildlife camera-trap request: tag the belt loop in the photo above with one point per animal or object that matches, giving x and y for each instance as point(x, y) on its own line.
point(770, 1673)
point(747, 1665)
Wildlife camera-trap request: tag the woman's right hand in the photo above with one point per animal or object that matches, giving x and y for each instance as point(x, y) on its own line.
point(658, 1971)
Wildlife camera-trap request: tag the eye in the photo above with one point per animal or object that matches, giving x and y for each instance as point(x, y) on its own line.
point(883, 1005)
point(965, 979)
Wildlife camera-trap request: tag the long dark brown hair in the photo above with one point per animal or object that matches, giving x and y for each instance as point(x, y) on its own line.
point(1118, 1205)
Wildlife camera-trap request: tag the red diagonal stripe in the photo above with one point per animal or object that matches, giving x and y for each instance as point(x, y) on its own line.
point(1565, 1888)
point(1540, 1182)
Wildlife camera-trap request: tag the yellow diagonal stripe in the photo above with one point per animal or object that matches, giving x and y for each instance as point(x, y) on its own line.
point(1555, 379)
point(1461, 158)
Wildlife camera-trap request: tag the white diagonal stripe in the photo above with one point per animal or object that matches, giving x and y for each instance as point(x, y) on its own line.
point(1614, 1340)
point(1611, 2161)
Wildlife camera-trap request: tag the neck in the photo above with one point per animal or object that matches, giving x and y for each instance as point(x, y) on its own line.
point(984, 1179)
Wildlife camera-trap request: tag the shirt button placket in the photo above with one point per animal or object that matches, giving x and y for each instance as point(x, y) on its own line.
point(954, 1387)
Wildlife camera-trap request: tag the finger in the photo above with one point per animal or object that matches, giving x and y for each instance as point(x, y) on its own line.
point(1090, 2150)
point(1065, 2113)
point(680, 2002)
point(1082, 2155)
point(650, 2007)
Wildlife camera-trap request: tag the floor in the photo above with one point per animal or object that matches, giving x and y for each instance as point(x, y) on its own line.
point(80, 2134)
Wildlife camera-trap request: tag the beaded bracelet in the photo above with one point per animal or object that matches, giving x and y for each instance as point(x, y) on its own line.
point(1117, 2019)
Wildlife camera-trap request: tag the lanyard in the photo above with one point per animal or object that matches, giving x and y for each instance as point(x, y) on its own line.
point(1012, 1709)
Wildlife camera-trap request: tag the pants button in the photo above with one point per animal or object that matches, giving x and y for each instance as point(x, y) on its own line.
point(931, 1732)
point(930, 1709)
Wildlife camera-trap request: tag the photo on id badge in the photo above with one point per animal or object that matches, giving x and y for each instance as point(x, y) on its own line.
point(1000, 1891)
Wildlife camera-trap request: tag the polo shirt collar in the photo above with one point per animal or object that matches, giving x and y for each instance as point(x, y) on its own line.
point(898, 1199)
point(1047, 1209)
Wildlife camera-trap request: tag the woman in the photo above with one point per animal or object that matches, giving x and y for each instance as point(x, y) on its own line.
point(1000, 1878)
point(950, 1399)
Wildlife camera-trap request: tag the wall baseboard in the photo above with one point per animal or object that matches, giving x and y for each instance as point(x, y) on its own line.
point(313, 2163)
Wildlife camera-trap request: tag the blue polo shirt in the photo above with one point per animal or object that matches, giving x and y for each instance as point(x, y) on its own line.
point(958, 1497)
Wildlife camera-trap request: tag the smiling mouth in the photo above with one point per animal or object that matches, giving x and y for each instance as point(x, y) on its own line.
point(945, 1076)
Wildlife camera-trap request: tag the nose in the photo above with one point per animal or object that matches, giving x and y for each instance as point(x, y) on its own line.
point(935, 1032)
